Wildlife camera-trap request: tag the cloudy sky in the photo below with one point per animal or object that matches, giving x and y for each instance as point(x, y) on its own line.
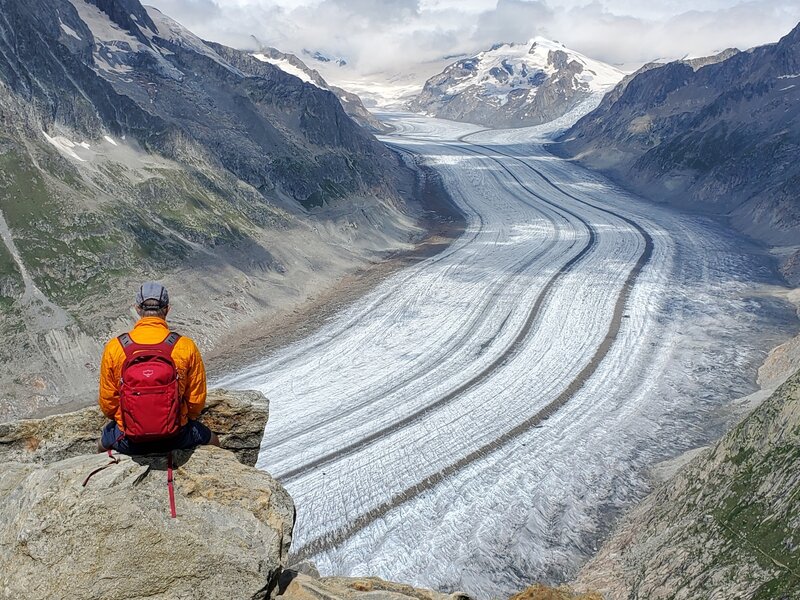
point(395, 35)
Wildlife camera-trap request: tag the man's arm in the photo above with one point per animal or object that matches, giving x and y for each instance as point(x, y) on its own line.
point(109, 386)
point(195, 385)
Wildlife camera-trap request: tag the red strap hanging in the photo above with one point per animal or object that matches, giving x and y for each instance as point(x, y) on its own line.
point(114, 460)
point(170, 487)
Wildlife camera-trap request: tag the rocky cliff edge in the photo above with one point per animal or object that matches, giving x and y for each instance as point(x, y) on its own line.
point(114, 537)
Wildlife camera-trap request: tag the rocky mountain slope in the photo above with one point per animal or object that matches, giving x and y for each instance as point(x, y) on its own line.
point(725, 526)
point(351, 103)
point(131, 149)
point(515, 85)
point(721, 139)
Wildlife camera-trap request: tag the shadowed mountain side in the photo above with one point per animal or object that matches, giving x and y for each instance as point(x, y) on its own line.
point(720, 139)
point(351, 103)
point(130, 149)
point(158, 83)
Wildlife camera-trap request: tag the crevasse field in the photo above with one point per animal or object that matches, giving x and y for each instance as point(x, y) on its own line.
point(478, 420)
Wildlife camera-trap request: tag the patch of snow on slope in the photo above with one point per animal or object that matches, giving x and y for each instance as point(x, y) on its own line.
point(70, 31)
point(177, 34)
point(114, 46)
point(65, 145)
point(286, 67)
point(104, 29)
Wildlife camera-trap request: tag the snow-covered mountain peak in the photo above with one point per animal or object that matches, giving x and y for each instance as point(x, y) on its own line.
point(526, 65)
point(516, 84)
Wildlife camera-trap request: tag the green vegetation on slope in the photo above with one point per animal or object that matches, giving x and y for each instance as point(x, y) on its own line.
point(726, 526)
point(78, 237)
point(11, 284)
point(67, 252)
point(760, 511)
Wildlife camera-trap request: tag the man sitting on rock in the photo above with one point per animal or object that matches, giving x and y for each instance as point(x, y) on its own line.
point(152, 384)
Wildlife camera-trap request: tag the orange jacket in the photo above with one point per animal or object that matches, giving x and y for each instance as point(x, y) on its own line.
point(191, 372)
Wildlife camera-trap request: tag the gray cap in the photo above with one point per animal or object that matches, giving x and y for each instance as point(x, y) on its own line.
point(150, 290)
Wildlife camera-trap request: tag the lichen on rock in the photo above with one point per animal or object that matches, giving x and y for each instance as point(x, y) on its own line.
point(114, 537)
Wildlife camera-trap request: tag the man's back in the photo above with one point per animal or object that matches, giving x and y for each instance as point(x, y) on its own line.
point(188, 362)
point(152, 304)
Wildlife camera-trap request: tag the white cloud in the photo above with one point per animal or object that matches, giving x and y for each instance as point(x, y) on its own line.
point(379, 35)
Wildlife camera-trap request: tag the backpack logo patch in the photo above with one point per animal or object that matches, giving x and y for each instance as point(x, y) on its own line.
point(148, 373)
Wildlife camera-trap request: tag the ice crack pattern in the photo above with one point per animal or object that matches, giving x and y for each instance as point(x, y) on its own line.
point(476, 420)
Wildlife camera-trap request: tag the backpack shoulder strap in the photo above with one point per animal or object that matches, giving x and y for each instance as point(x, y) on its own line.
point(129, 346)
point(127, 343)
point(168, 345)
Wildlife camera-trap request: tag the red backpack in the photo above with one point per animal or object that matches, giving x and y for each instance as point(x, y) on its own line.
point(148, 393)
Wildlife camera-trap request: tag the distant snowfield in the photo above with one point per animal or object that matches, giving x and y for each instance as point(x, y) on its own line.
point(477, 420)
point(286, 67)
point(518, 62)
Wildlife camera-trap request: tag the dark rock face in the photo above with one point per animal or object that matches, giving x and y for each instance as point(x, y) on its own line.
point(166, 88)
point(722, 138)
point(351, 103)
point(128, 14)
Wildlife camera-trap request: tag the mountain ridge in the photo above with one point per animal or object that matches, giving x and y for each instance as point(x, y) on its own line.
point(131, 150)
point(351, 103)
point(718, 139)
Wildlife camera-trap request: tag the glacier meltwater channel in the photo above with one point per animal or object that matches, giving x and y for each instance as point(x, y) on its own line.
point(477, 420)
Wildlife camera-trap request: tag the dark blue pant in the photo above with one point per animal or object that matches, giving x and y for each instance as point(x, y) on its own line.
point(194, 433)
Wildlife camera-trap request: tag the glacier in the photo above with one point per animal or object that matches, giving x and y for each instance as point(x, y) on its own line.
point(479, 419)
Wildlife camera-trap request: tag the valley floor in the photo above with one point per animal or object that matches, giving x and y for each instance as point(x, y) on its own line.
point(478, 419)
point(440, 220)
